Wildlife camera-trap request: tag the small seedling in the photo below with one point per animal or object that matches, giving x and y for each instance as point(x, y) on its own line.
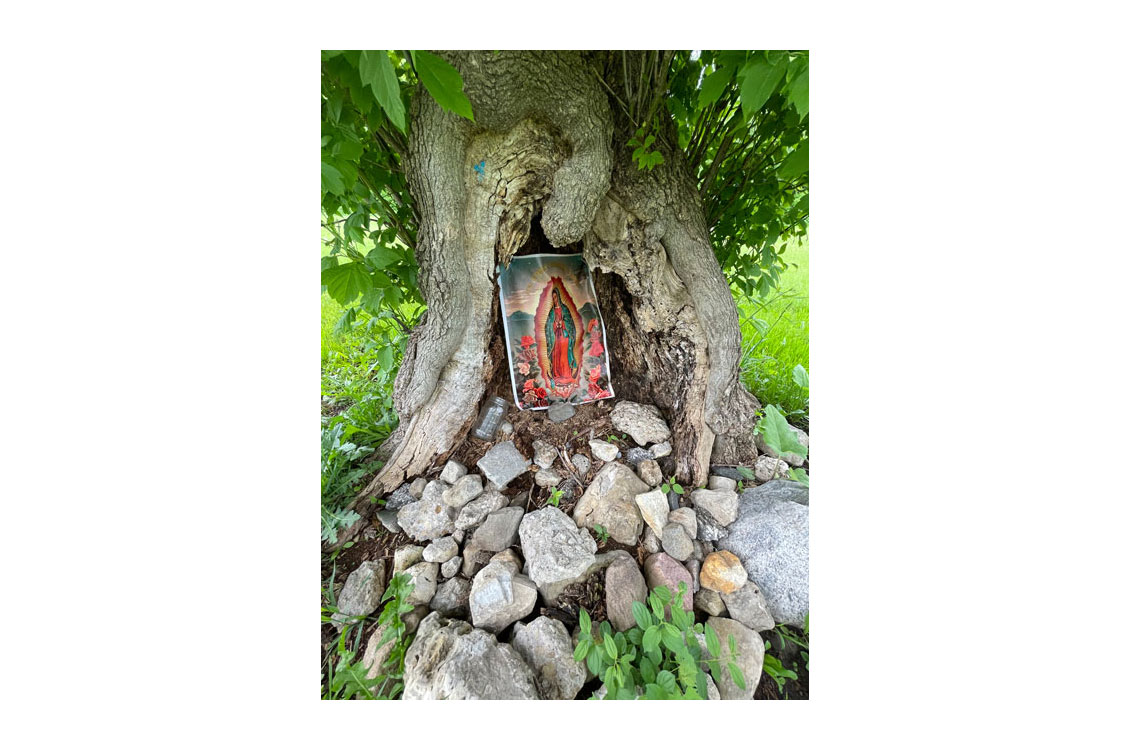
point(671, 484)
point(601, 533)
point(555, 497)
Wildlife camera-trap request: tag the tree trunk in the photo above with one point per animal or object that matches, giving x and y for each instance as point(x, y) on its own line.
point(553, 131)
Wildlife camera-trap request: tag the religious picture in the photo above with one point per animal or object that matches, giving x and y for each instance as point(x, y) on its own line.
point(554, 332)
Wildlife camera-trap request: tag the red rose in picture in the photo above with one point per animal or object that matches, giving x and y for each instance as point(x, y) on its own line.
point(527, 341)
point(524, 368)
point(596, 349)
point(592, 324)
point(594, 374)
point(528, 385)
point(540, 393)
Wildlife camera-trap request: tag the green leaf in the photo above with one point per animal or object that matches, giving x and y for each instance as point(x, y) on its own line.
point(796, 163)
point(666, 680)
point(586, 622)
point(377, 72)
point(594, 661)
point(385, 358)
point(800, 376)
point(798, 93)
point(713, 645)
point(775, 429)
point(640, 613)
point(582, 649)
point(678, 488)
point(713, 86)
point(443, 82)
point(799, 475)
point(331, 180)
point(610, 648)
point(736, 675)
point(382, 257)
point(651, 638)
point(647, 670)
point(346, 281)
point(759, 79)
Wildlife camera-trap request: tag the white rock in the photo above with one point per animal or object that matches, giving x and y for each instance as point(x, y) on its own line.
point(654, 509)
point(441, 550)
point(604, 450)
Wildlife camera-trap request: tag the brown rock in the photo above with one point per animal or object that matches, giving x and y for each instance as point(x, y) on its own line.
point(722, 572)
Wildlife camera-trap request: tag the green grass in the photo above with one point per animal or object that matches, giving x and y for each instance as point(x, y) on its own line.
point(775, 338)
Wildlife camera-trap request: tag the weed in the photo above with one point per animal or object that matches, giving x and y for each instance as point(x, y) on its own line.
point(658, 659)
point(555, 496)
point(671, 484)
point(601, 533)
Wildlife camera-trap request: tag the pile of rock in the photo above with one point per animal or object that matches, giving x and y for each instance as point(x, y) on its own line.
point(482, 565)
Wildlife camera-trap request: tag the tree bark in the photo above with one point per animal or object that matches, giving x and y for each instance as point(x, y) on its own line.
point(552, 129)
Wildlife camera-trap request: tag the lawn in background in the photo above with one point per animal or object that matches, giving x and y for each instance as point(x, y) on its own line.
point(775, 338)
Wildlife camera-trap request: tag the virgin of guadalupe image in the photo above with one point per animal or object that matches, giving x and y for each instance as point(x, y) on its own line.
point(560, 336)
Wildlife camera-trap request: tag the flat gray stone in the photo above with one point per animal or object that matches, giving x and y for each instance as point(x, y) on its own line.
point(441, 550)
point(453, 472)
point(450, 660)
point(425, 520)
point(659, 450)
point(548, 478)
point(623, 584)
point(709, 602)
point(649, 472)
point(642, 422)
point(399, 497)
point(451, 568)
point(388, 520)
point(560, 411)
point(499, 597)
point(452, 598)
point(722, 505)
point(768, 468)
point(465, 489)
point(503, 463)
point(416, 489)
point(716, 482)
point(423, 577)
point(361, 593)
point(782, 489)
point(604, 450)
point(770, 537)
point(635, 456)
point(747, 605)
point(653, 509)
point(405, 557)
point(750, 657)
point(554, 548)
point(676, 542)
point(545, 646)
point(475, 512)
point(581, 463)
point(498, 531)
point(686, 518)
point(651, 543)
point(544, 454)
point(609, 501)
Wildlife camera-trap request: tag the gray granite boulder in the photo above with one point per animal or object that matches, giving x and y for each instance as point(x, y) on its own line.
point(498, 531)
point(503, 463)
point(623, 584)
point(643, 422)
point(554, 547)
point(750, 657)
point(709, 530)
point(609, 501)
point(450, 660)
point(499, 596)
point(770, 537)
point(546, 647)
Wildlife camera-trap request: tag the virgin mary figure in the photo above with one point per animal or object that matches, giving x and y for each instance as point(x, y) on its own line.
point(560, 334)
